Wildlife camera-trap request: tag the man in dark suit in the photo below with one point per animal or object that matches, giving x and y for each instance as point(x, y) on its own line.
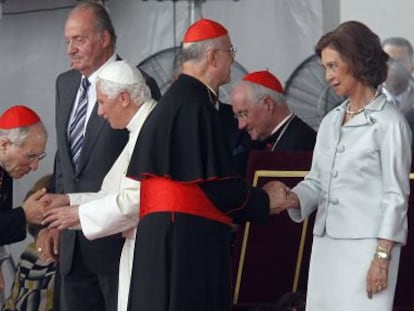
point(399, 82)
point(261, 109)
point(400, 68)
point(86, 149)
point(22, 145)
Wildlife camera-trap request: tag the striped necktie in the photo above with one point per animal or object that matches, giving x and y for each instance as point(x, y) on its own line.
point(78, 123)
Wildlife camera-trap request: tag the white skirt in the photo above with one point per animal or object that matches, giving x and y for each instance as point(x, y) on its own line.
point(337, 276)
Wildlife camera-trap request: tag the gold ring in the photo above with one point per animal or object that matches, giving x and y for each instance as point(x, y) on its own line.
point(39, 249)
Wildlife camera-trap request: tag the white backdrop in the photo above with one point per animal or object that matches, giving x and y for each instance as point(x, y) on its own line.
point(276, 35)
point(386, 18)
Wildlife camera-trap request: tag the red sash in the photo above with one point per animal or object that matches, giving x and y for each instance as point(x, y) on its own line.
point(160, 194)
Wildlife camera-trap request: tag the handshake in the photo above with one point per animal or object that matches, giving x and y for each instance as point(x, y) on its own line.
point(50, 209)
point(53, 211)
point(280, 197)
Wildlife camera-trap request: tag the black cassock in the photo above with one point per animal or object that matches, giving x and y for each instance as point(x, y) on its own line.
point(12, 220)
point(182, 260)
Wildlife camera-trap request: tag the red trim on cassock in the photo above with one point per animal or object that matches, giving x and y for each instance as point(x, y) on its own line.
point(148, 175)
point(160, 194)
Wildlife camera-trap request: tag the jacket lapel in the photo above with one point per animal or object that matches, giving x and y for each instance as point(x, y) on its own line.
point(68, 99)
point(365, 118)
point(72, 86)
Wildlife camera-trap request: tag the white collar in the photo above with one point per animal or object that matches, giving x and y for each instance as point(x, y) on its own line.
point(281, 124)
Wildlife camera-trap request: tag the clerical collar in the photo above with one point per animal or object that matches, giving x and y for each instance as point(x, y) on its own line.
point(213, 96)
point(282, 127)
point(212, 91)
point(281, 124)
point(134, 123)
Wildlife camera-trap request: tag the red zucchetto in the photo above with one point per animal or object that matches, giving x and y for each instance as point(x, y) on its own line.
point(266, 79)
point(204, 29)
point(18, 116)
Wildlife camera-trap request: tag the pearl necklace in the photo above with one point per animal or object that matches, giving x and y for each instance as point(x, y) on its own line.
point(355, 112)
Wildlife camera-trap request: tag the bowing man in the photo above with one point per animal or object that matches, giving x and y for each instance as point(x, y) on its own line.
point(22, 145)
point(261, 109)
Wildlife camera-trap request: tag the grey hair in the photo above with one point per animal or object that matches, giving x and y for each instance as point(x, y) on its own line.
point(18, 135)
point(195, 50)
point(399, 41)
point(257, 92)
point(139, 92)
point(103, 20)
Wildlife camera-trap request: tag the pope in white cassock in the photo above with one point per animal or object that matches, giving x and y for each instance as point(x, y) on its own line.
point(124, 100)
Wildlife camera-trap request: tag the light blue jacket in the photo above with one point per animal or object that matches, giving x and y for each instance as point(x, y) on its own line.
point(359, 180)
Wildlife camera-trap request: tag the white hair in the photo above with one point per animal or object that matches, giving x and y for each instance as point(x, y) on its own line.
point(256, 92)
point(195, 50)
point(18, 135)
point(139, 92)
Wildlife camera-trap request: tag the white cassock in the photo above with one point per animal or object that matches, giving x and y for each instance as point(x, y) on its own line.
point(115, 207)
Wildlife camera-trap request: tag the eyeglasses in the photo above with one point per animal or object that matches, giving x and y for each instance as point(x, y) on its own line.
point(31, 156)
point(243, 115)
point(232, 50)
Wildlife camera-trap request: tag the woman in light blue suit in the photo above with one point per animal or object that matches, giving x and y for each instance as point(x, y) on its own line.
point(358, 183)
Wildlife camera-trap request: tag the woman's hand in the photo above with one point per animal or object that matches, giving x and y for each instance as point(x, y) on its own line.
point(377, 277)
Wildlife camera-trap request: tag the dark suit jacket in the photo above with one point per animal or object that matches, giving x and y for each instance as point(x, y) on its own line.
point(407, 109)
point(6, 191)
point(12, 226)
point(101, 147)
